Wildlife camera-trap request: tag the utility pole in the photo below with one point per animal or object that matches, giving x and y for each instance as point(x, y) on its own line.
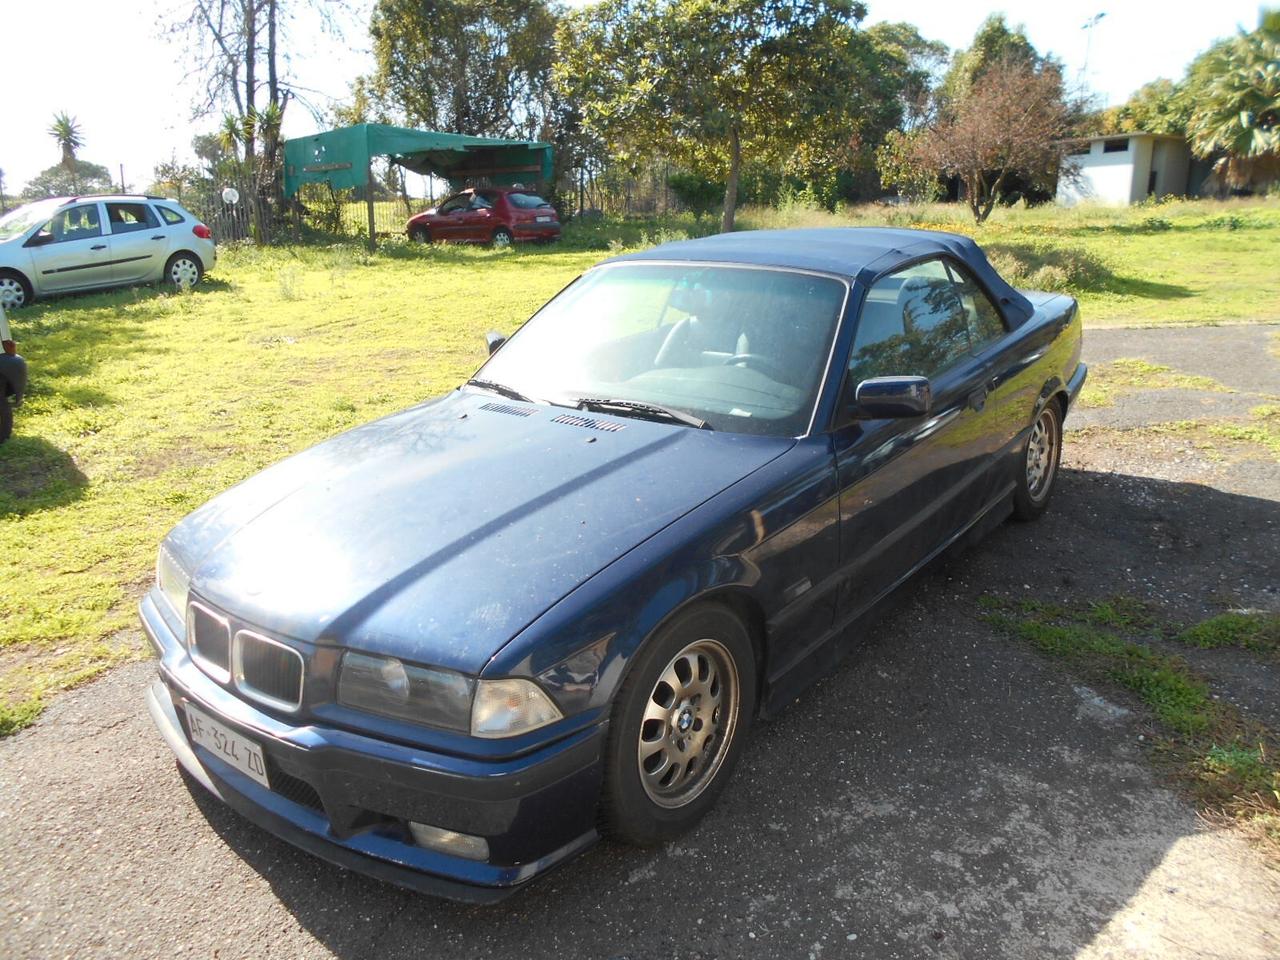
point(123, 188)
point(1087, 27)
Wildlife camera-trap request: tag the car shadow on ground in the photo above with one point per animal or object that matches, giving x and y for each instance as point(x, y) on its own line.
point(947, 792)
point(36, 475)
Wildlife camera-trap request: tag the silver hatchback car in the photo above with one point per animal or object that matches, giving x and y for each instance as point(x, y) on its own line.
point(88, 243)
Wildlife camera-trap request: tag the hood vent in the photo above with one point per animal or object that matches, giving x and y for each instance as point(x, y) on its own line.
point(508, 409)
point(589, 422)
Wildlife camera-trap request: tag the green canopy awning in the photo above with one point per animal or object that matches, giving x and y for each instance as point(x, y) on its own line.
point(341, 157)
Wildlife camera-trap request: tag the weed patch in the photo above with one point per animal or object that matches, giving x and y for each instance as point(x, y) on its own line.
point(1229, 762)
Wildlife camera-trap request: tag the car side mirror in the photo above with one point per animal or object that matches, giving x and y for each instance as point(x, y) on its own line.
point(494, 340)
point(886, 397)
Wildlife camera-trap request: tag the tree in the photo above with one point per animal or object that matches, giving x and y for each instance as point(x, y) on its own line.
point(1010, 122)
point(1160, 106)
point(66, 133)
point(995, 44)
point(478, 67)
point(708, 83)
point(58, 181)
point(922, 62)
point(904, 166)
point(1235, 91)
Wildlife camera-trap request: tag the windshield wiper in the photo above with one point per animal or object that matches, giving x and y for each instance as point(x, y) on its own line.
point(645, 411)
point(499, 388)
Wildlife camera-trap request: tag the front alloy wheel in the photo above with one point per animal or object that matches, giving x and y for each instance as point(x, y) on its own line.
point(678, 726)
point(688, 725)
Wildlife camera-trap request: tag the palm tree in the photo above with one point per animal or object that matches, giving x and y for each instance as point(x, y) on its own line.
point(66, 133)
point(1236, 117)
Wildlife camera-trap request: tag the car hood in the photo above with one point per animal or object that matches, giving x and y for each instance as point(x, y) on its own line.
point(438, 533)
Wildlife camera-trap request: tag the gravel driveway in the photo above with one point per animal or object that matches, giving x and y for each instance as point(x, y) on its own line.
point(947, 793)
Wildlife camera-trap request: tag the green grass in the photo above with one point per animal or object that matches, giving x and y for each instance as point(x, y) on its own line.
point(1230, 762)
point(143, 404)
point(1127, 374)
point(1249, 630)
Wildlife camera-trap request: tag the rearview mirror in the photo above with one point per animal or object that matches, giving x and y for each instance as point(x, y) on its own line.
point(893, 397)
point(494, 340)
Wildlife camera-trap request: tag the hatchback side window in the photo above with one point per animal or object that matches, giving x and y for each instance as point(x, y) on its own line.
point(913, 323)
point(985, 323)
point(74, 223)
point(170, 216)
point(455, 204)
point(127, 217)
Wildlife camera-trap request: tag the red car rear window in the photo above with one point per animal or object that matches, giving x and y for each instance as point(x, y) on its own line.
point(526, 201)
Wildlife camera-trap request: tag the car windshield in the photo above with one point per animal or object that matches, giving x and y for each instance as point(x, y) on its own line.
point(18, 221)
point(742, 348)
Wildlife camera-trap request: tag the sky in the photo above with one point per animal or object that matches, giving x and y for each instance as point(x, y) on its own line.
point(107, 63)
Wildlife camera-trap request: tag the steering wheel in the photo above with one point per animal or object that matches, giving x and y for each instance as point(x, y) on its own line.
point(766, 366)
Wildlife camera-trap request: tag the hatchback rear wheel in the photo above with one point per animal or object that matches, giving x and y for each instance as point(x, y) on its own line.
point(183, 271)
point(502, 237)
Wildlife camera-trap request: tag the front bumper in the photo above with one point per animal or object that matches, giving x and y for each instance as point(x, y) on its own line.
point(347, 797)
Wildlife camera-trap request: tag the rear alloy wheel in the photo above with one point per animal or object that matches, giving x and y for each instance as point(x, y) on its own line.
point(15, 292)
point(502, 237)
point(679, 723)
point(1039, 464)
point(419, 234)
point(183, 271)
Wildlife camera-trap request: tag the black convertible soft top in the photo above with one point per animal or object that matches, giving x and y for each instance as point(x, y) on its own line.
point(860, 253)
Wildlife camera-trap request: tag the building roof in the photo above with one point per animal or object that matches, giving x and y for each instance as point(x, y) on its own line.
point(860, 254)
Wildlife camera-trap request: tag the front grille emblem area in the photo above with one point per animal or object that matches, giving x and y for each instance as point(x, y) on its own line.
point(267, 670)
point(209, 641)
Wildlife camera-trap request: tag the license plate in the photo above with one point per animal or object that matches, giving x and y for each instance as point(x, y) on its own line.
point(227, 745)
point(544, 219)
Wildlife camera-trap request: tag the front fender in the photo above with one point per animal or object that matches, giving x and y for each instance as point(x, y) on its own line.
point(13, 376)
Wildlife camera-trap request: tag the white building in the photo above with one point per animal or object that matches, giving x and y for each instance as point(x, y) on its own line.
point(1126, 169)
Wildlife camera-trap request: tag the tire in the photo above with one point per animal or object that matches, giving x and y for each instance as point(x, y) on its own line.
point(1038, 465)
point(183, 271)
point(419, 234)
point(678, 726)
point(6, 418)
point(502, 238)
point(15, 290)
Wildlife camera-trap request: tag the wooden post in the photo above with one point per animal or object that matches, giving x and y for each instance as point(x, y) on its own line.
point(373, 237)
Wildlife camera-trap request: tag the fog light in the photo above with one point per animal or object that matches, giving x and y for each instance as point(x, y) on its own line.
point(446, 841)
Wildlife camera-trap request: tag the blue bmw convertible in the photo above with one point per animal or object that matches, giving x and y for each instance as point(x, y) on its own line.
point(453, 647)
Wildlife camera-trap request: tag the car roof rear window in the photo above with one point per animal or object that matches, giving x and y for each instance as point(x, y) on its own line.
point(526, 201)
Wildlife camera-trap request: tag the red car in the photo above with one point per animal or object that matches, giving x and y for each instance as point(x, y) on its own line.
point(496, 215)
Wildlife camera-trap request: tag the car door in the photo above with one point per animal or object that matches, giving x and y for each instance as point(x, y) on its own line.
point(138, 242)
point(477, 220)
point(448, 223)
point(906, 484)
point(71, 251)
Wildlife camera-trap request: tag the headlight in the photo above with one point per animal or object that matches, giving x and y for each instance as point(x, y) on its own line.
point(443, 698)
point(173, 580)
point(384, 685)
point(504, 708)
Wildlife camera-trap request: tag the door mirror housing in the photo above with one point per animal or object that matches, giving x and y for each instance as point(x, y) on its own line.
point(493, 339)
point(886, 397)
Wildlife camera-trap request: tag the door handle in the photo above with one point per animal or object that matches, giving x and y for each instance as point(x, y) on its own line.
point(98, 246)
point(158, 236)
